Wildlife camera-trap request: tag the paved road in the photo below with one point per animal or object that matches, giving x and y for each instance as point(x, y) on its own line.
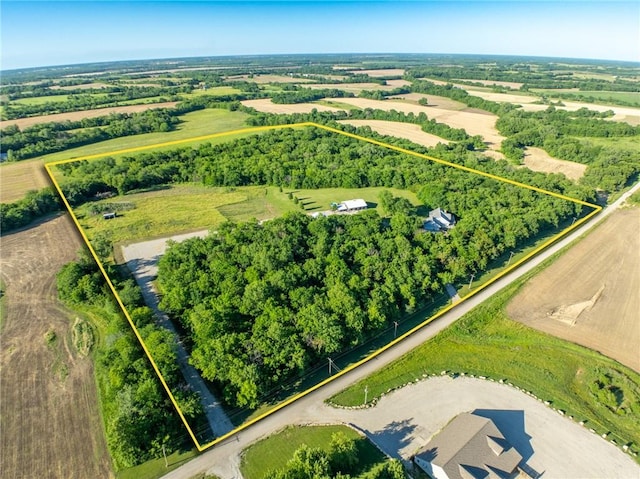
point(223, 459)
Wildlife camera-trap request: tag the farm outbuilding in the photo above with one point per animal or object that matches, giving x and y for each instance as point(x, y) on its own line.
point(348, 206)
point(469, 447)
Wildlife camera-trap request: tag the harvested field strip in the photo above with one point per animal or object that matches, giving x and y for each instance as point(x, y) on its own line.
point(474, 123)
point(16, 179)
point(79, 115)
point(537, 159)
point(407, 131)
point(604, 267)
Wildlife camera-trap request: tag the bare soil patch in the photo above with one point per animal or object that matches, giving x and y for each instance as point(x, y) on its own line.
point(51, 424)
point(79, 115)
point(537, 159)
point(474, 123)
point(590, 294)
point(267, 106)
point(391, 72)
point(408, 131)
point(17, 178)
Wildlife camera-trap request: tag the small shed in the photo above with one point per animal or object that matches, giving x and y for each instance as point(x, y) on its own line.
point(109, 216)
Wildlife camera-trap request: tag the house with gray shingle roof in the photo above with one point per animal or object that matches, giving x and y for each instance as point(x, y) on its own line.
point(469, 447)
point(439, 220)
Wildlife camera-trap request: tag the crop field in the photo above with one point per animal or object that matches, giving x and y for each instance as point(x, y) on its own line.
point(79, 115)
point(19, 177)
point(474, 123)
point(407, 131)
point(39, 100)
point(537, 159)
point(600, 310)
point(51, 425)
point(597, 96)
point(356, 88)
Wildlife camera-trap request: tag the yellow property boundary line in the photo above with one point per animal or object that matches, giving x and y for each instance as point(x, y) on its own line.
point(202, 447)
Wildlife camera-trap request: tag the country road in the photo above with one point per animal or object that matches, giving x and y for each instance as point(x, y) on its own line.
point(223, 459)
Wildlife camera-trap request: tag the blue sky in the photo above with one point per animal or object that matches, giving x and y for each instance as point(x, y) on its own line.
point(62, 32)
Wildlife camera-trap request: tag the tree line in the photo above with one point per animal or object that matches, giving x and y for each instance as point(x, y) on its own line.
point(83, 101)
point(139, 418)
point(306, 95)
point(22, 212)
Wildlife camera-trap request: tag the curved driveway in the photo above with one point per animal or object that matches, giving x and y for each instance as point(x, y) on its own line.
point(223, 458)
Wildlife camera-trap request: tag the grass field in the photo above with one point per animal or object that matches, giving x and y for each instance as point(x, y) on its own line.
point(156, 467)
point(486, 342)
point(275, 451)
point(214, 91)
point(195, 207)
point(197, 123)
point(320, 200)
point(40, 100)
point(182, 208)
point(596, 96)
point(631, 143)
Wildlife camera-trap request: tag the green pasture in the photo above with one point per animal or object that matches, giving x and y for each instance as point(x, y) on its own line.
point(631, 143)
point(181, 208)
point(337, 104)
point(596, 96)
point(275, 451)
point(213, 91)
point(194, 124)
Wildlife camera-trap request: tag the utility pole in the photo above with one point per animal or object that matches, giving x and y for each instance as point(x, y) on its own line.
point(471, 280)
point(164, 453)
point(395, 330)
point(510, 256)
point(366, 390)
point(574, 220)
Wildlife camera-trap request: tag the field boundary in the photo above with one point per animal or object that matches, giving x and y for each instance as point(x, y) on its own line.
point(506, 270)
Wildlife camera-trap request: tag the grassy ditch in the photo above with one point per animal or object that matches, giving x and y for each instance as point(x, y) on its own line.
point(275, 451)
point(583, 383)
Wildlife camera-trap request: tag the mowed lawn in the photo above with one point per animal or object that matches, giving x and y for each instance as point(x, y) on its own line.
point(321, 199)
point(194, 124)
point(275, 451)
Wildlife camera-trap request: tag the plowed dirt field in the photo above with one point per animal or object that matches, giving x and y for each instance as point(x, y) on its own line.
point(51, 425)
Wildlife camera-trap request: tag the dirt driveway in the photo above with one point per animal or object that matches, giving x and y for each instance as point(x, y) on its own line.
point(51, 424)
